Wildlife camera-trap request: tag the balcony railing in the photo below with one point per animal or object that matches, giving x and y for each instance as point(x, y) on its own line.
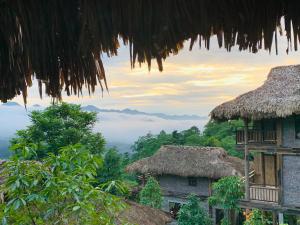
point(256, 136)
point(264, 194)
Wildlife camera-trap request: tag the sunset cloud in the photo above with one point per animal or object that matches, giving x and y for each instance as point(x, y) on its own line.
point(192, 82)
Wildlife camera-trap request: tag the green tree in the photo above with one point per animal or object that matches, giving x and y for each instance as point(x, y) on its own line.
point(57, 190)
point(151, 194)
point(58, 126)
point(226, 194)
point(192, 213)
point(147, 145)
point(223, 134)
point(112, 167)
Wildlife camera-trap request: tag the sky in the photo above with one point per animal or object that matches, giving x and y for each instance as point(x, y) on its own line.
point(193, 82)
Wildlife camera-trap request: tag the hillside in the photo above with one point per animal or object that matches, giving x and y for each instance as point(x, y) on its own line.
point(121, 128)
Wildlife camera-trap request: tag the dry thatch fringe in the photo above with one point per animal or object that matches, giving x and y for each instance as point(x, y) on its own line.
point(189, 161)
point(60, 42)
point(279, 96)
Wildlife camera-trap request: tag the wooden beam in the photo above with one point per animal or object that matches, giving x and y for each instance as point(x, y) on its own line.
point(279, 132)
point(267, 206)
point(276, 170)
point(280, 178)
point(247, 186)
point(263, 168)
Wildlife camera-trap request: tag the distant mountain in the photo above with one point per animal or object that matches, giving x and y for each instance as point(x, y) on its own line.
point(91, 108)
point(120, 128)
point(11, 104)
point(127, 111)
point(36, 106)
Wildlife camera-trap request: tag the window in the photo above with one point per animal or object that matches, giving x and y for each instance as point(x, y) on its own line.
point(192, 181)
point(297, 127)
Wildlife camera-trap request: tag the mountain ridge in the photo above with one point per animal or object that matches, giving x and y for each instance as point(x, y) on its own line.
point(128, 111)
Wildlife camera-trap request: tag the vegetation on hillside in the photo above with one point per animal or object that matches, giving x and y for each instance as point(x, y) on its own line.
point(59, 189)
point(60, 172)
point(214, 135)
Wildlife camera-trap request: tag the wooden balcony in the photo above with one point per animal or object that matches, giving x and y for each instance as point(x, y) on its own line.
point(257, 137)
point(267, 194)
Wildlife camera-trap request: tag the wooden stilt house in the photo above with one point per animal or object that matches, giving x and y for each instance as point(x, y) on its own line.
point(272, 135)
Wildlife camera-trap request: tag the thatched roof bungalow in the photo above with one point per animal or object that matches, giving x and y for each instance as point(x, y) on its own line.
point(274, 135)
point(61, 42)
point(279, 96)
point(185, 170)
point(189, 161)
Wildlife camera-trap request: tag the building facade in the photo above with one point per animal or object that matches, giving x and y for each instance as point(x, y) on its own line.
point(185, 170)
point(271, 136)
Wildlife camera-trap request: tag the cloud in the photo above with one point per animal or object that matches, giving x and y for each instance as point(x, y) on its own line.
point(192, 82)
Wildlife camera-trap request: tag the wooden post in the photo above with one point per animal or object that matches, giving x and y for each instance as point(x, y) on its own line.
point(274, 217)
point(280, 218)
point(247, 186)
point(279, 132)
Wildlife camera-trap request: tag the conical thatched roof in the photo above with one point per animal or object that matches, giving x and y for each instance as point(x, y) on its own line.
point(188, 161)
point(279, 96)
point(61, 42)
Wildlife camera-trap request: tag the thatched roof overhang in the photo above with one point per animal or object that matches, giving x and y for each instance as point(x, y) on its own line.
point(279, 96)
point(189, 161)
point(60, 42)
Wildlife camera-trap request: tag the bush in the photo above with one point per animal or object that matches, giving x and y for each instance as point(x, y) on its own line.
point(151, 195)
point(226, 194)
point(255, 217)
point(192, 213)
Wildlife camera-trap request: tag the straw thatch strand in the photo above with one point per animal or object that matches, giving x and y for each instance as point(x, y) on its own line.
point(279, 96)
point(61, 42)
point(189, 161)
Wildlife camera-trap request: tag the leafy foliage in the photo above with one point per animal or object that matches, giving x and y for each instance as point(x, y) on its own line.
point(112, 167)
point(151, 194)
point(226, 193)
point(256, 217)
point(147, 145)
point(57, 190)
point(111, 174)
point(55, 127)
point(214, 135)
point(192, 213)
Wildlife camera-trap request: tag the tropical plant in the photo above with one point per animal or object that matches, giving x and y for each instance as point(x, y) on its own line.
point(192, 213)
point(57, 190)
point(226, 194)
point(151, 194)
